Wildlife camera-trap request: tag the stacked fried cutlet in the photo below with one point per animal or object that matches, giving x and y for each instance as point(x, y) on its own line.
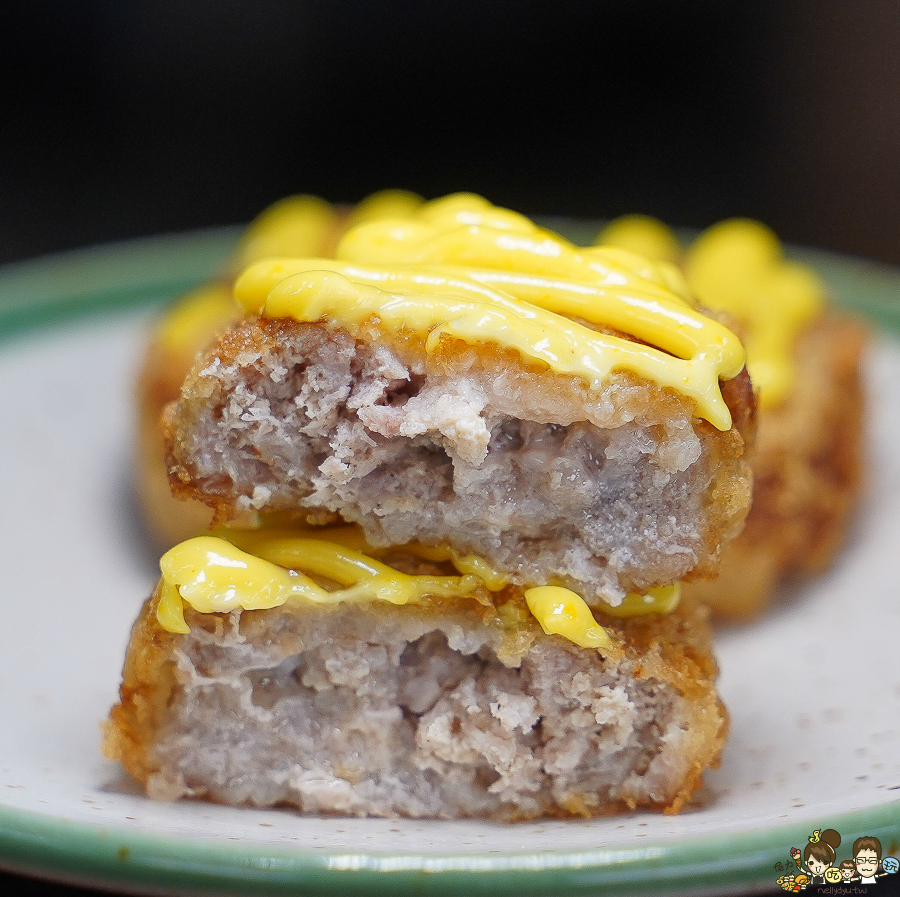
point(503, 640)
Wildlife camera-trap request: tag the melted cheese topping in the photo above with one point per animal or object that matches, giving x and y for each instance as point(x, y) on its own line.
point(385, 204)
point(263, 569)
point(302, 225)
point(192, 321)
point(738, 266)
point(563, 612)
point(643, 235)
point(295, 225)
point(215, 576)
point(658, 600)
point(464, 269)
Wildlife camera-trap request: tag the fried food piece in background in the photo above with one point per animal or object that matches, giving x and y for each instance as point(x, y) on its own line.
point(804, 358)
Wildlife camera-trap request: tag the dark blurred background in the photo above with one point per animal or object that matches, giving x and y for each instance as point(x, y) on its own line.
point(119, 119)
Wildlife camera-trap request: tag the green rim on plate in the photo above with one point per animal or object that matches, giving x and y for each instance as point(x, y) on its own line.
point(101, 855)
point(42, 292)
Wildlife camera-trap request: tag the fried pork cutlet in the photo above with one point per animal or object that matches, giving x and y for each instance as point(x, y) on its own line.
point(445, 708)
point(569, 416)
point(608, 491)
point(298, 225)
point(807, 473)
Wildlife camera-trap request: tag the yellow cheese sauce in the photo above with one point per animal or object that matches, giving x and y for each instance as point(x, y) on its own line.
point(391, 203)
point(295, 225)
point(466, 270)
point(196, 317)
point(563, 612)
point(215, 576)
point(301, 225)
point(738, 266)
point(643, 235)
point(264, 569)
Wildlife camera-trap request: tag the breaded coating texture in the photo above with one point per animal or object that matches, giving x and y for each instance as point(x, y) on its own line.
point(609, 491)
point(422, 711)
point(807, 469)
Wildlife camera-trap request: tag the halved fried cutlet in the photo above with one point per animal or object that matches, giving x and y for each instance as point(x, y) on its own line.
point(608, 491)
point(447, 709)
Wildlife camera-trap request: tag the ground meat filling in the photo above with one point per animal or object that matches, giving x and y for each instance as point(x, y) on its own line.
point(607, 493)
point(365, 711)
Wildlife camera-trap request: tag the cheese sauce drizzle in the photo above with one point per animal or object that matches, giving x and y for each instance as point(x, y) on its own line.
point(738, 266)
point(467, 270)
point(301, 225)
point(271, 567)
point(295, 225)
point(215, 576)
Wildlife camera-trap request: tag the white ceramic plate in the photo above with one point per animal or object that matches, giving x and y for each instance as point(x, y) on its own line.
point(814, 688)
